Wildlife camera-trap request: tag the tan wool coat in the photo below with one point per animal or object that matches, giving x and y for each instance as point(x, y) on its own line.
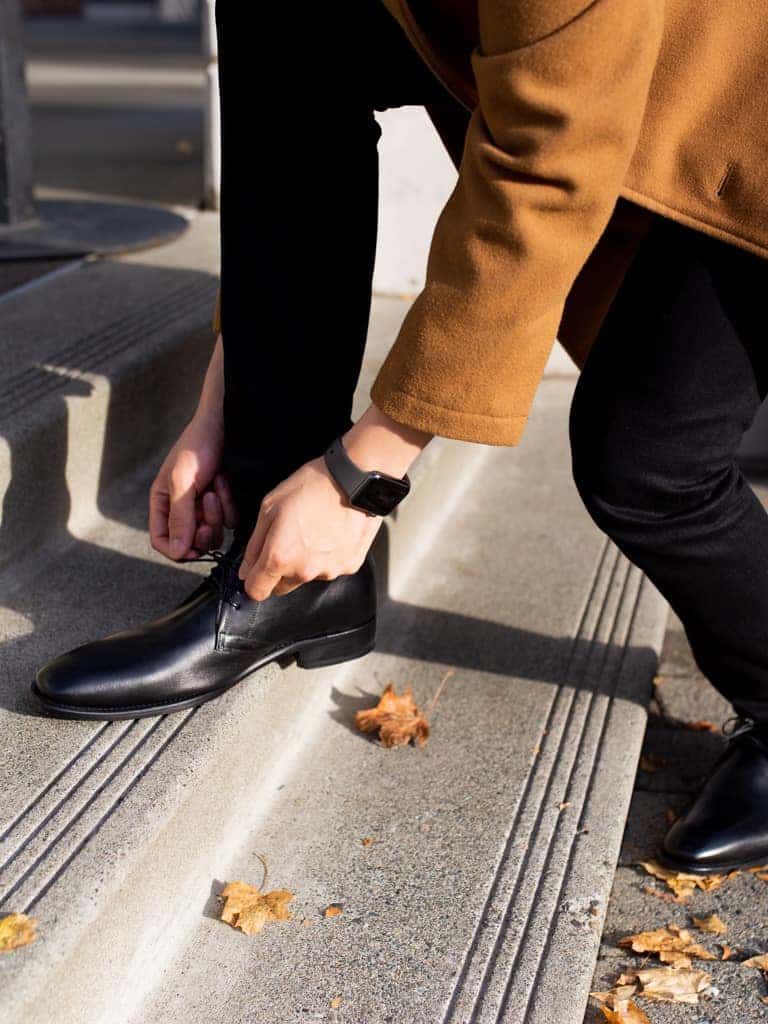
point(585, 119)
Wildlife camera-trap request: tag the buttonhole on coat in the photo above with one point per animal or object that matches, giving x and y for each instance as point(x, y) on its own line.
point(725, 179)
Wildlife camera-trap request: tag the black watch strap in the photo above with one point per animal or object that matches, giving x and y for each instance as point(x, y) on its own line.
point(346, 474)
point(352, 479)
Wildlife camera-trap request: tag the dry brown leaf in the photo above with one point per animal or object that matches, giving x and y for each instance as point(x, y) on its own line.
point(336, 1002)
point(760, 962)
point(702, 726)
point(333, 911)
point(666, 896)
point(563, 806)
point(397, 719)
point(712, 925)
point(367, 841)
point(762, 875)
point(649, 764)
point(629, 1013)
point(618, 1007)
point(673, 944)
point(727, 952)
point(16, 930)
point(755, 871)
point(682, 884)
point(248, 909)
point(764, 999)
point(673, 985)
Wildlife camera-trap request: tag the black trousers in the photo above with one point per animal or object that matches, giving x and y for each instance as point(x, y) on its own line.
point(299, 211)
point(674, 379)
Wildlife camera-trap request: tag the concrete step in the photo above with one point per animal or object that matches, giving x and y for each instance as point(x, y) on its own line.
point(100, 364)
point(480, 893)
point(95, 817)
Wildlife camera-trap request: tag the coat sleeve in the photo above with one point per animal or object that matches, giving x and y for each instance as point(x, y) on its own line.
point(547, 148)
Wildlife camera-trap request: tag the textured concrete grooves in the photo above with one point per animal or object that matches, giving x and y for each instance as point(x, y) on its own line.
point(504, 975)
point(192, 299)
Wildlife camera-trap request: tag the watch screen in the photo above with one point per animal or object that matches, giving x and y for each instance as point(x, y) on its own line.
point(380, 495)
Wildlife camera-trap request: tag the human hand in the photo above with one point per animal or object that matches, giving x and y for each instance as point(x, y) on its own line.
point(190, 502)
point(305, 531)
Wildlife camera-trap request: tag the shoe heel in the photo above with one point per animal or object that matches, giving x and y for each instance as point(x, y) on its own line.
point(331, 650)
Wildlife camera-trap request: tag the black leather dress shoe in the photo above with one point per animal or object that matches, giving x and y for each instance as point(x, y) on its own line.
point(727, 826)
point(209, 642)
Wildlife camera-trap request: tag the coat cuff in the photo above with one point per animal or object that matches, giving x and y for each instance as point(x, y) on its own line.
point(460, 425)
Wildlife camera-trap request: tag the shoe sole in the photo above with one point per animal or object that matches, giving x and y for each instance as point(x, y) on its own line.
point(696, 869)
point(316, 652)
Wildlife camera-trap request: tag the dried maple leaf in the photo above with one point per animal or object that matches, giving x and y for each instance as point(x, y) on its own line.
point(702, 726)
point(397, 719)
point(333, 911)
point(673, 985)
point(367, 841)
point(760, 962)
point(248, 909)
point(712, 925)
point(336, 1002)
point(16, 930)
point(673, 944)
point(727, 952)
point(681, 884)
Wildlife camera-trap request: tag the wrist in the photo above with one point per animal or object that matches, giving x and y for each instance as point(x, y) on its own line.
point(377, 442)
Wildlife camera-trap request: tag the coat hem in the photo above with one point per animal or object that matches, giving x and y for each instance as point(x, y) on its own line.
point(705, 226)
point(439, 420)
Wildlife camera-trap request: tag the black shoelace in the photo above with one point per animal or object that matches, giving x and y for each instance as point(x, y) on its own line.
point(224, 576)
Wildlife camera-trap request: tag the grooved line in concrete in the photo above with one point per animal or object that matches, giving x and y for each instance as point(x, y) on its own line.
point(15, 822)
point(598, 599)
point(607, 713)
point(632, 575)
point(474, 946)
point(68, 793)
point(97, 346)
point(28, 876)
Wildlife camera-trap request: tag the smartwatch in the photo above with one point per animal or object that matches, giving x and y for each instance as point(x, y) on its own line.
point(371, 491)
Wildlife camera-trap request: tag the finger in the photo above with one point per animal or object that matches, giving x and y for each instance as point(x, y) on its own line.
point(182, 519)
point(224, 492)
point(268, 570)
point(255, 543)
point(203, 540)
point(212, 512)
point(159, 505)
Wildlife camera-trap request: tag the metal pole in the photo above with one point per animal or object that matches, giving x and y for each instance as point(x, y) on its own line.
point(16, 199)
point(212, 143)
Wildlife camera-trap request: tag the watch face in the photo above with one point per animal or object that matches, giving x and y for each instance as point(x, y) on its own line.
point(379, 494)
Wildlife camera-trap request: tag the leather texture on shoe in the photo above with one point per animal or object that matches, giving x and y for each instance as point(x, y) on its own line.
point(727, 825)
point(209, 642)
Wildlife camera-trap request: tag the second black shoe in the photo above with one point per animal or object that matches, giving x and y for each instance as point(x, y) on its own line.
point(727, 826)
point(211, 641)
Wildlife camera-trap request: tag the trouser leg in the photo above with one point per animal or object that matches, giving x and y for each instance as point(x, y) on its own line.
point(672, 382)
point(299, 204)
